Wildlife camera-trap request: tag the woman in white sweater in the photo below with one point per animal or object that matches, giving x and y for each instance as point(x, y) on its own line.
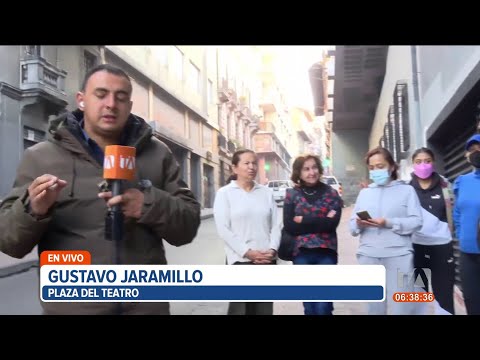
point(245, 215)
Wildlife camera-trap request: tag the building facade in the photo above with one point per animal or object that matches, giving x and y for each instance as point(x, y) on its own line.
point(272, 141)
point(428, 96)
point(173, 90)
point(302, 124)
point(238, 99)
point(322, 75)
point(36, 83)
point(204, 102)
point(358, 80)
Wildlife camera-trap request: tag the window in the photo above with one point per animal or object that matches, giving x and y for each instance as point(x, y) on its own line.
point(177, 64)
point(400, 103)
point(33, 50)
point(32, 136)
point(210, 92)
point(329, 180)
point(386, 136)
point(330, 103)
point(211, 53)
point(382, 141)
point(194, 78)
point(393, 132)
point(331, 67)
point(330, 87)
point(280, 184)
point(160, 53)
point(89, 60)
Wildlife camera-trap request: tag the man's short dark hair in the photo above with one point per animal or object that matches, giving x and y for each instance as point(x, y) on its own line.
point(111, 69)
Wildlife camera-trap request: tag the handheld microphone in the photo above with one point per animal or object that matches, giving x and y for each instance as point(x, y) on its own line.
point(118, 165)
point(119, 162)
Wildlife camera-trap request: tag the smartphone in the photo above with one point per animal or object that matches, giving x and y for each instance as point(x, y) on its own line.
point(364, 215)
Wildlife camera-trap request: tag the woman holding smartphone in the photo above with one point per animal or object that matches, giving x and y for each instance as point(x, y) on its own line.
point(386, 238)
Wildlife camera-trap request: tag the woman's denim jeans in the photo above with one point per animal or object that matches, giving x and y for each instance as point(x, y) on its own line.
point(317, 256)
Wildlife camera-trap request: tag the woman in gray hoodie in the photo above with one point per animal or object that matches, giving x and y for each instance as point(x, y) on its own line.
point(395, 214)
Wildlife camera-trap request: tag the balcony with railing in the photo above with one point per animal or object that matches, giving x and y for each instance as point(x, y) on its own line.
point(223, 146)
point(266, 126)
point(231, 146)
point(36, 74)
point(227, 94)
point(243, 112)
point(222, 141)
point(253, 125)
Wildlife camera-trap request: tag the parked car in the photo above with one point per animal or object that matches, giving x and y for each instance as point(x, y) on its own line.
point(279, 188)
point(333, 182)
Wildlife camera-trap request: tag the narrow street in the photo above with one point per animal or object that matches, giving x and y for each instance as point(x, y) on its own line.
point(19, 293)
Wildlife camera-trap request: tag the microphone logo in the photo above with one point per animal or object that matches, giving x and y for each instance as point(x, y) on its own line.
point(119, 162)
point(109, 162)
point(127, 162)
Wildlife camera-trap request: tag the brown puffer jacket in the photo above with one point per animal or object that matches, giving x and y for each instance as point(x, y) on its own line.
point(77, 220)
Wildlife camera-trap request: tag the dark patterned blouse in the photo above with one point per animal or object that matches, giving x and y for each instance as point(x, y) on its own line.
point(313, 203)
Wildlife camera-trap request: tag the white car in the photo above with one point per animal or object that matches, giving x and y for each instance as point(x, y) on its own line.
point(333, 182)
point(279, 188)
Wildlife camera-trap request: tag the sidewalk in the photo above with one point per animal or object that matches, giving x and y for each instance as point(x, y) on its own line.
point(206, 213)
point(347, 256)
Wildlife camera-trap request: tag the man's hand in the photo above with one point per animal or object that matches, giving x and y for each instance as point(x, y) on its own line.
point(298, 219)
point(43, 192)
point(131, 201)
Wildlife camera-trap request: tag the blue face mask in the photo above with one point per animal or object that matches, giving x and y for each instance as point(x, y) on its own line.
point(380, 176)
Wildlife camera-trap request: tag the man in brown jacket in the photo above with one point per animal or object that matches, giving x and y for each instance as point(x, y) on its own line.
point(56, 201)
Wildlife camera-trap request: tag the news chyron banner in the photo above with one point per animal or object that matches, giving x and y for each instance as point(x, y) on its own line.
point(68, 276)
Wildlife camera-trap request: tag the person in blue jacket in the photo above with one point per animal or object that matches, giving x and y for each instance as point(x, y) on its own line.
point(466, 218)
